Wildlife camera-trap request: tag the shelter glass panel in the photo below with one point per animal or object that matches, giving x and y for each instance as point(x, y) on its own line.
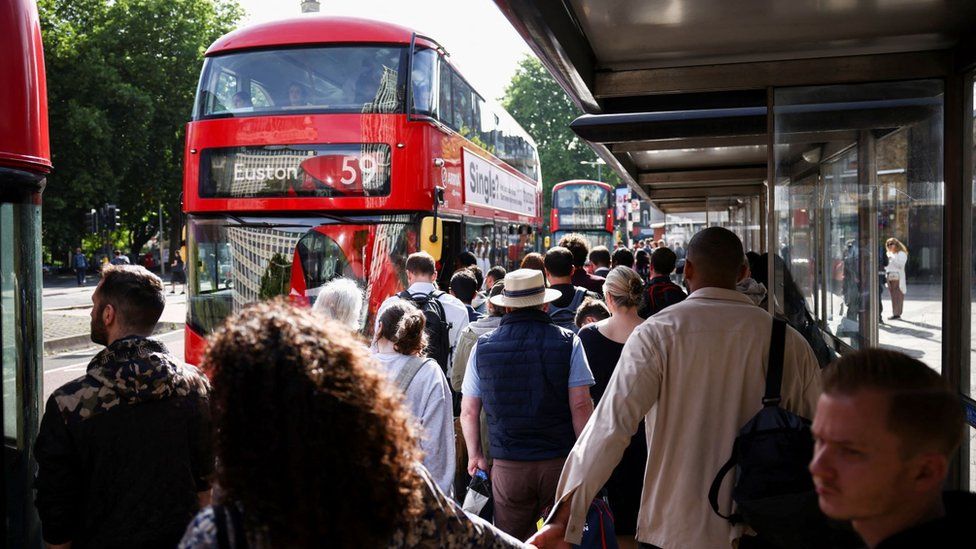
point(968, 379)
point(859, 199)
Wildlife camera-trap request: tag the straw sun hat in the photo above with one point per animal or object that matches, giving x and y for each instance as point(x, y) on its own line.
point(525, 288)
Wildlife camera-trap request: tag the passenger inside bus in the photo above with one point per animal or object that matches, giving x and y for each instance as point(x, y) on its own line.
point(297, 96)
point(242, 100)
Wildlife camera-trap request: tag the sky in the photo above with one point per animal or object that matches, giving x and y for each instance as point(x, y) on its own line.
point(481, 42)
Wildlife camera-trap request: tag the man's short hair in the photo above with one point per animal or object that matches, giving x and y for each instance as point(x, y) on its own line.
point(559, 261)
point(591, 308)
point(136, 294)
point(663, 260)
point(466, 259)
point(600, 256)
point(421, 263)
point(576, 244)
point(622, 257)
point(479, 278)
point(496, 290)
point(923, 412)
point(496, 273)
point(464, 286)
point(716, 253)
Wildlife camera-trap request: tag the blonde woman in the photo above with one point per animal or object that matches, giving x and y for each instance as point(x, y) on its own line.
point(603, 342)
point(895, 275)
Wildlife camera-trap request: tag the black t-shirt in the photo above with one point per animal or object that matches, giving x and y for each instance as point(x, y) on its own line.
point(602, 353)
point(625, 484)
point(952, 530)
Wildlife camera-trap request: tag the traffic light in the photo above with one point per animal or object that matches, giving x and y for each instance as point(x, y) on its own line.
point(111, 217)
point(91, 221)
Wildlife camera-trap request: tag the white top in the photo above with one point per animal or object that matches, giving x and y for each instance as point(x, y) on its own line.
point(429, 399)
point(456, 312)
point(896, 264)
point(695, 372)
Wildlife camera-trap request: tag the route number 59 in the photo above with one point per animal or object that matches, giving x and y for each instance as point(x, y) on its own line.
point(352, 166)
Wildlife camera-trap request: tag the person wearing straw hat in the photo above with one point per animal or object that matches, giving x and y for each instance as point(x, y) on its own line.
point(534, 382)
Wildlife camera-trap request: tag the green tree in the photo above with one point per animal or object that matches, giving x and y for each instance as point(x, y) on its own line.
point(276, 279)
point(122, 75)
point(537, 102)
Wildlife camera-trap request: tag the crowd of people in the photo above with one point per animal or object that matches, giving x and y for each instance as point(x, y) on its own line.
point(583, 375)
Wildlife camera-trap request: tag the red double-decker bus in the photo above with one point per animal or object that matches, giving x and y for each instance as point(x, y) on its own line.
point(322, 147)
point(584, 207)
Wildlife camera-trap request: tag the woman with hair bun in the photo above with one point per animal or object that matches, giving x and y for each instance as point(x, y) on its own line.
point(603, 342)
point(399, 348)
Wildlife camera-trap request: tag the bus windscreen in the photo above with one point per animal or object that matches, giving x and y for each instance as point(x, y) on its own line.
point(352, 79)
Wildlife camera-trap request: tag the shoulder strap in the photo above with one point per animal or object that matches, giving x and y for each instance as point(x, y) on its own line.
point(774, 370)
point(221, 513)
point(717, 484)
point(220, 520)
point(409, 371)
point(435, 298)
point(578, 297)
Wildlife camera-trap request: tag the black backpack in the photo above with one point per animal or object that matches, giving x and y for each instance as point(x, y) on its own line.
point(565, 317)
point(437, 328)
point(773, 488)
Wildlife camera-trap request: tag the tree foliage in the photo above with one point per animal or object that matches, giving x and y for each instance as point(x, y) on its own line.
point(276, 279)
point(121, 78)
point(545, 111)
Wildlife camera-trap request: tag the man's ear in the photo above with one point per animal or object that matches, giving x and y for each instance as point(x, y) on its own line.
point(109, 314)
point(743, 272)
point(930, 471)
point(689, 270)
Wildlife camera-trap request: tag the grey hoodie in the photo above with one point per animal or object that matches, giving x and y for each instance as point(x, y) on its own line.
point(753, 290)
point(465, 343)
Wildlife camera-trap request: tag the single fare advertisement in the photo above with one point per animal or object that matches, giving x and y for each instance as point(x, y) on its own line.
point(488, 185)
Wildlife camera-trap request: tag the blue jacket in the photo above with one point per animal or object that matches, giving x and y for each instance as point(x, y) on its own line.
point(523, 367)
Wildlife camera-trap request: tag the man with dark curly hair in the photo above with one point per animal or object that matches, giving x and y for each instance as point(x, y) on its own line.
point(124, 452)
point(315, 446)
point(581, 250)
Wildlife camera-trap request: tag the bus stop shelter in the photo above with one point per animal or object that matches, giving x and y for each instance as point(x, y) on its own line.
point(814, 129)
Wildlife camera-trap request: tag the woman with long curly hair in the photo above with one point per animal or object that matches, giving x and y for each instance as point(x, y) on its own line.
point(399, 348)
point(314, 447)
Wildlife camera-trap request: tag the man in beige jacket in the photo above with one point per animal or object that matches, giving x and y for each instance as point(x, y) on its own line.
point(696, 373)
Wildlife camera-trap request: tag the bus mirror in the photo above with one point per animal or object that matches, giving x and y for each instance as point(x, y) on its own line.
point(432, 236)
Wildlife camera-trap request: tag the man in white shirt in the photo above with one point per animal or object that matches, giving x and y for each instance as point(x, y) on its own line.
point(696, 373)
point(421, 274)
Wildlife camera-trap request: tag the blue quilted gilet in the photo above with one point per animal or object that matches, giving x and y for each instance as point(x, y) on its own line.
point(523, 367)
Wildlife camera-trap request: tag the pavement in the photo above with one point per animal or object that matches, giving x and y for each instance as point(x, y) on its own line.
point(918, 333)
point(66, 319)
point(67, 313)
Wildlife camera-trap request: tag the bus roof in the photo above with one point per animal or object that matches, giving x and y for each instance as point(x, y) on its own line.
point(311, 30)
point(558, 186)
point(23, 96)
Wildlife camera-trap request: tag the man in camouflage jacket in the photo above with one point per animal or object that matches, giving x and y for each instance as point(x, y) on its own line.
point(124, 452)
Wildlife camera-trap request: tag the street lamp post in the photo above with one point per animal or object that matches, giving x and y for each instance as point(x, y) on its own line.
point(598, 163)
